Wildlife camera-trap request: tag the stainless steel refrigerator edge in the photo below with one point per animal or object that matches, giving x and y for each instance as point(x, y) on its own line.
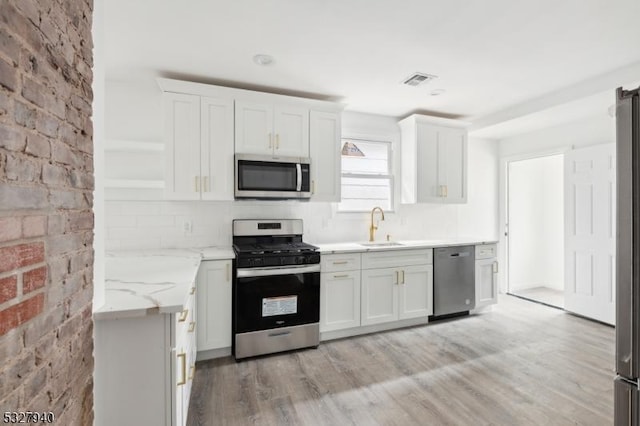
point(627, 257)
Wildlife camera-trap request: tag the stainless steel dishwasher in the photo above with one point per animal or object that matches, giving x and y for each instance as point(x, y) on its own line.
point(453, 281)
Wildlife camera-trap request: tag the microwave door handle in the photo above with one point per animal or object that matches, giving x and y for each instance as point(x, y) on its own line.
point(299, 177)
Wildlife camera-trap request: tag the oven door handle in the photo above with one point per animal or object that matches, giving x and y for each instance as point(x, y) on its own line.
point(265, 272)
point(299, 177)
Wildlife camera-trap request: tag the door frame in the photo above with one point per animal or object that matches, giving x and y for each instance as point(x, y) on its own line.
point(503, 206)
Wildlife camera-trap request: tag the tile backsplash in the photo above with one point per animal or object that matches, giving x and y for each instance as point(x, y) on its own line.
point(179, 224)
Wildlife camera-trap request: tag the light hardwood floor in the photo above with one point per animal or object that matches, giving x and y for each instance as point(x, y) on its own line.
point(521, 364)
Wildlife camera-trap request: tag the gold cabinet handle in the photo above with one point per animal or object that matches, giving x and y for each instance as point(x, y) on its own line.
point(192, 372)
point(183, 366)
point(192, 326)
point(446, 191)
point(397, 277)
point(495, 267)
point(342, 262)
point(270, 143)
point(402, 272)
point(277, 140)
point(341, 276)
point(183, 315)
point(193, 290)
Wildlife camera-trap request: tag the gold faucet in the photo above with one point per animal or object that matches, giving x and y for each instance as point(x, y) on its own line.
point(372, 227)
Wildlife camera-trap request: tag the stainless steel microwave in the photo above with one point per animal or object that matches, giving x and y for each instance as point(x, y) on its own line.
point(258, 176)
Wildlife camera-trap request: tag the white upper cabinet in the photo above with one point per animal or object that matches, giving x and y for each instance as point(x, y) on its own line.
point(198, 147)
point(182, 146)
point(434, 160)
point(216, 135)
point(325, 133)
point(267, 129)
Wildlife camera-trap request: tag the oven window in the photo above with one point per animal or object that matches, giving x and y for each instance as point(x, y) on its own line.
point(263, 303)
point(265, 176)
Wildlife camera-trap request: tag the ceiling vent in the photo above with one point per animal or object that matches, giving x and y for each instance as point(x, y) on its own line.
point(418, 78)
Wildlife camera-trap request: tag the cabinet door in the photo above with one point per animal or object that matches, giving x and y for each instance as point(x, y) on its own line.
point(182, 146)
point(291, 131)
point(254, 128)
point(453, 164)
point(339, 300)
point(379, 296)
point(416, 291)
point(180, 372)
point(428, 152)
point(214, 305)
point(217, 149)
point(486, 282)
point(324, 143)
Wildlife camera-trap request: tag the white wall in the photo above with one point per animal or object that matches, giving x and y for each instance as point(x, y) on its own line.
point(150, 224)
point(536, 223)
point(98, 119)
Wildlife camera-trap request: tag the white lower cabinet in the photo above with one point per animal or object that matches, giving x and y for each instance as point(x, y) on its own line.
point(148, 365)
point(400, 292)
point(339, 292)
point(486, 275)
point(214, 305)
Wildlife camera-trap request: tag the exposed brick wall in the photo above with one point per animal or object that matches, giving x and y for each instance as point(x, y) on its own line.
point(46, 219)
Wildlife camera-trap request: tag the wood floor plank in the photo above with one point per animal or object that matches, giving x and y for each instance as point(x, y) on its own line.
point(520, 364)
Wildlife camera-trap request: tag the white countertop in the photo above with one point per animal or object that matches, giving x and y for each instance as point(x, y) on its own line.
point(351, 247)
point(147, 282)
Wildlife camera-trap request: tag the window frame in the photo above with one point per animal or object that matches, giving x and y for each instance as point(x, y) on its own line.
point(389, 175)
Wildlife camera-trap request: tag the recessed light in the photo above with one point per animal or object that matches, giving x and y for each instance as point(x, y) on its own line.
point(437, 92)
point(264, 60)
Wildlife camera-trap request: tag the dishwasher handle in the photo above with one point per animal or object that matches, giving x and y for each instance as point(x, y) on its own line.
point(461, 254)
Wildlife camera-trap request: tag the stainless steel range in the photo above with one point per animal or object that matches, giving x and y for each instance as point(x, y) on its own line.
point(276, 288)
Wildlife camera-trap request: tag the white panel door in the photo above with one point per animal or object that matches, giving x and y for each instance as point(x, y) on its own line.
point(590, 232)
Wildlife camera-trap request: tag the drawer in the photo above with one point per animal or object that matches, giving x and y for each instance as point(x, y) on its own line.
point(395, 258)
point(340, 262)
point(486, 251)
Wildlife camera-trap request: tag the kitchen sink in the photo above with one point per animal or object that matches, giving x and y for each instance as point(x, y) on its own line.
point(381, 244)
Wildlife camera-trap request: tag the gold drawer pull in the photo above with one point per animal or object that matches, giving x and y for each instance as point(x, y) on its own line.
point(192, 372)
point(183, 315)
point(341, 276)
point(183, 365)
point(192, 326)
point(193, 290)
point(342, 262)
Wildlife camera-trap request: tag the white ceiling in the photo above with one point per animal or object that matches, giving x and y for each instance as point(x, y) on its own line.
point(498, 60)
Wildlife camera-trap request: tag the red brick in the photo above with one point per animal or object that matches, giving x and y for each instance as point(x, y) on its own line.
point(10, 229)
point(8, 288)
point(21, 255)
point(34, 279)
point(78, 221)
point(17, 315)
point(34, 226)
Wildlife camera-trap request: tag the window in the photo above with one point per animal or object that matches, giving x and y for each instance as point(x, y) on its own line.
point(366, 175)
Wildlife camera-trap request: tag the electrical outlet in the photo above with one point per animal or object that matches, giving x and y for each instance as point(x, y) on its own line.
point(187, 227)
